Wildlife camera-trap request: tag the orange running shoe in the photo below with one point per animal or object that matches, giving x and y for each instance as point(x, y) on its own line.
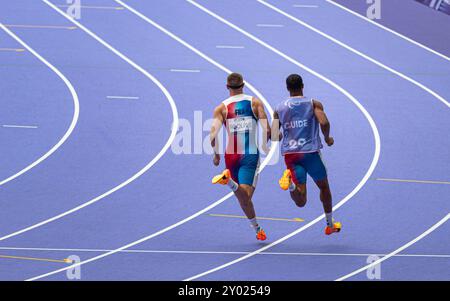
point(223, 178)
point(261, 235)
point(285, 180)
point(336, 228)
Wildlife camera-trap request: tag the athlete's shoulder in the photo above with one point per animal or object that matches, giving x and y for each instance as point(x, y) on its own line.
point(255, 100)
point(317, 104)
point(220, 106)
point(221, 109)
point(283, 105)
point(257, 107)
point(227, 101)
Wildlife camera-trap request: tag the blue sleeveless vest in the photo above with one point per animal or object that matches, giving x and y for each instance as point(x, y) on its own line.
point(299, 126)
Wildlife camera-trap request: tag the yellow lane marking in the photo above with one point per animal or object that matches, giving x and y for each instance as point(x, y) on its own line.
point(36, 259)
point(414, 181)
point(40, 26)
point(298, 220)
point(96, 7)
point(12, 49)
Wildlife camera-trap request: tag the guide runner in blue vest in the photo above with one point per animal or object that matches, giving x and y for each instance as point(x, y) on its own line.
point(299, 118)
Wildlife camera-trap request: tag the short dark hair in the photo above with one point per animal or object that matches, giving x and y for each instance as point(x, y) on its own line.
point(235, 81)
point(294, 82)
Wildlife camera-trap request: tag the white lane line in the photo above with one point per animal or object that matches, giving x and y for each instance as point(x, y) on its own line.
point(229, 47)
point(337, 87)
point(405, 246)
point(123, 97)
point(145, 168)
point(20, 126)
point(76, 107)
point(269, 25)
point(95, 7)
point(40, 26)
point(198, 213)
point(305, 6)
point(188, 252)
point(13, 49)
point(414, 181)
point(185, 70)
point(389, 30)
point(357, 52)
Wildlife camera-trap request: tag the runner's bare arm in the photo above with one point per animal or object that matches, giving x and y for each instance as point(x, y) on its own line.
point(258, 109)
point(276, 133)
point(218, 120)
point(323, 120)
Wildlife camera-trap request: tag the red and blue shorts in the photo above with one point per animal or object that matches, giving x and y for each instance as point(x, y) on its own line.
point(243, 168)
point(301, 164)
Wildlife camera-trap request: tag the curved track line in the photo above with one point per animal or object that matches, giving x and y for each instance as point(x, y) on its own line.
point(376, 156)
point(336, 86)
point(346, 46)
point(264, 163)
point(357, 52)
point(140, 172)
point(389, 30)
point(76, 105)
point(393, 253)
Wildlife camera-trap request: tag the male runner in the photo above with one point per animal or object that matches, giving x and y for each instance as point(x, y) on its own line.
point(300, 118)
point(240, 114)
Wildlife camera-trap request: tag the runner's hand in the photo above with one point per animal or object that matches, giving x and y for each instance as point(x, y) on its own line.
point(329, 141)
point(216, 159)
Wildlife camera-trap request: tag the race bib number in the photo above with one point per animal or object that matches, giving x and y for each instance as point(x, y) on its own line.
point(297, 143)
point(240, 124)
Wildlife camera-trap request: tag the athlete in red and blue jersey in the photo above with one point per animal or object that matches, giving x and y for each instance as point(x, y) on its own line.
point(300, 119)
point(240, 114)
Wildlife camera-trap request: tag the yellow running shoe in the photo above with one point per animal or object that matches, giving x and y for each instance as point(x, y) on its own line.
point(285, 180)
point(336, 228)
point(261, 235)
point(223, 178)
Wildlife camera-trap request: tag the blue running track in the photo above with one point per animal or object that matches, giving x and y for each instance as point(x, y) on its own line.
point(86, 172)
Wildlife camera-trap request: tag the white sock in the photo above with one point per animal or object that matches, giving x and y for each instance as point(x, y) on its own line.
point(329, 218)
point(292, 187)
point(233, 185)
point(254, 223)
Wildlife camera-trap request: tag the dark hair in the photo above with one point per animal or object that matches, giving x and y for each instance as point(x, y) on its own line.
point(235, 81)
point(294, 82)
